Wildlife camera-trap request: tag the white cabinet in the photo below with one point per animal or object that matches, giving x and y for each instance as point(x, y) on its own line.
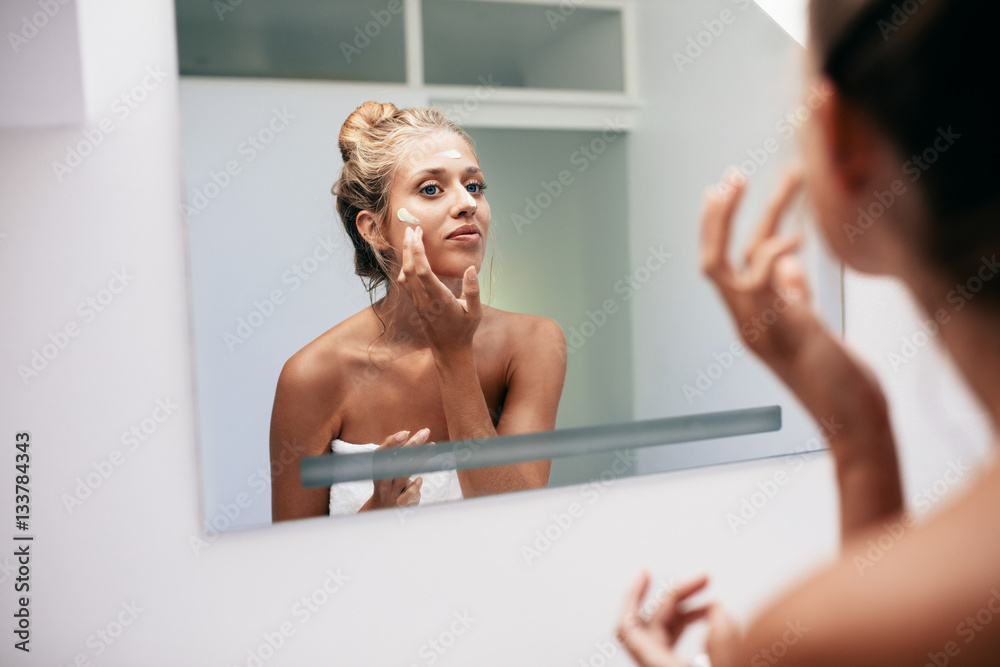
point(489, 63)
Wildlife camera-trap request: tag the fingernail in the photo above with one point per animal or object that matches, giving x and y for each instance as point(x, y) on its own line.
point(402, 436)
point(423, 433)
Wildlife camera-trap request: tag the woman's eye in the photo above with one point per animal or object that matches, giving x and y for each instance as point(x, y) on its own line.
point(430, 190)
point(475, 188)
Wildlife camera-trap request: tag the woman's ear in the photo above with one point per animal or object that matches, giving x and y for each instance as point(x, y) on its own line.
point(367, 224)
point(849, 137)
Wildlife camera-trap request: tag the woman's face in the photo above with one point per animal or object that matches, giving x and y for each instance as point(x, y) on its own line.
point(844, 162)
point(817, 163)
point(440, 188)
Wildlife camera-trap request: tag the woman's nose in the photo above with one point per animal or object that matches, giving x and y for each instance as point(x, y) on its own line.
point(466, 202)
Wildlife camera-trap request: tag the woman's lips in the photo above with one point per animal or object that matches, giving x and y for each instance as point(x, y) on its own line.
point(464, 234)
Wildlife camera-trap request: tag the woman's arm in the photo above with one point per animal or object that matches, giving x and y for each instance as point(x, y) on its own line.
point(840, 393)
point(301, 425)
point(535, 374)
point(901, 594)
point(835, 387)
point(535, 377)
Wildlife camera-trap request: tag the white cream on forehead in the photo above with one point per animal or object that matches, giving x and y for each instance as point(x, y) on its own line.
point(452, 154)
point(407, 217)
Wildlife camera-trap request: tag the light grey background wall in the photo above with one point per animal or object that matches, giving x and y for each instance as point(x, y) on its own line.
point(134, 539)
point(717, 80)
point(560, 245)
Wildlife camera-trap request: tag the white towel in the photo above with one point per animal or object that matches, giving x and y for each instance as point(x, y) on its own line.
point(349, 497)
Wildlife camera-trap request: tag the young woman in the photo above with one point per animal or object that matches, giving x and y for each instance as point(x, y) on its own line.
point(427, 361)
point(910, 125)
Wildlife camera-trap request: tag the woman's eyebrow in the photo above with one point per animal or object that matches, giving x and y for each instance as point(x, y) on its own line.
point(437, 171)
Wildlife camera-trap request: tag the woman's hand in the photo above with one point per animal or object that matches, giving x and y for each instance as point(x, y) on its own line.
point(401, 491)
point(650, 641)
point(769, 299)
point(448, 322)
point(768, 296)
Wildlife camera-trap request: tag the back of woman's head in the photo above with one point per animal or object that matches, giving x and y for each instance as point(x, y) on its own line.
point(374, 141)
point(925, 72)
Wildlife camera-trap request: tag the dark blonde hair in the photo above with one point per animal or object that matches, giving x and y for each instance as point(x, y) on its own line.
point(373, 142)
point(920, 68)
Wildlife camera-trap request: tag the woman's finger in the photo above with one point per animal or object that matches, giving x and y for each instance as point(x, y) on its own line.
point(668, 609)
point(783, 197)
point(470, 292)
point(760, 271)
point(719, 208)
point(790, 279)
point(406, 266)
point(686, 618)
point(723, 638)
point(428, 287)
point(411, 494)
point(395, 440)
point(629, 618)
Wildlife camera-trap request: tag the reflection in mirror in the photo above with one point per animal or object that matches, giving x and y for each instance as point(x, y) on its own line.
point(594, 194)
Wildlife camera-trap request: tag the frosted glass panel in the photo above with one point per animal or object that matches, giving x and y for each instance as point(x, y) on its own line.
point(347, 40)
point(520, 45)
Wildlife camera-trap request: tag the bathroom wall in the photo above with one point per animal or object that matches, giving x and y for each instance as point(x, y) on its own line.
point(121, 571)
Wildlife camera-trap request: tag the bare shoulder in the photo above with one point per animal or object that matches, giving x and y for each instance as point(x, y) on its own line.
point(528, 334)
point(901, 593)
point(317, 372)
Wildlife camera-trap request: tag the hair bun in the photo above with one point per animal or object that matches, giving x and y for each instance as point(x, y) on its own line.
point(359, 123)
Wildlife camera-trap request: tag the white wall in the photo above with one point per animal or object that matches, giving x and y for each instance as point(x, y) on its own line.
point(129, 542)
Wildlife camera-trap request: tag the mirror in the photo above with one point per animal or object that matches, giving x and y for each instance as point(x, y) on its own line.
point(598, 127)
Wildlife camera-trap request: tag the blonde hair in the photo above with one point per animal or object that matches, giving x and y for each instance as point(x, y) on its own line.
point(373, 141)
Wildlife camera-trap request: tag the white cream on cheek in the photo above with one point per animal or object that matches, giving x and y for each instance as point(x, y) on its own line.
point(452, 154)
point(472, 202)
point(407, 217)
